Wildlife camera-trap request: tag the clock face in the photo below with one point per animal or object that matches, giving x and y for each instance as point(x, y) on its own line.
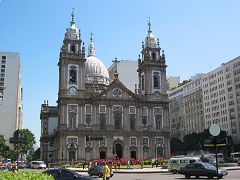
point(156, 93)
point(73, 36)
point(72, 90)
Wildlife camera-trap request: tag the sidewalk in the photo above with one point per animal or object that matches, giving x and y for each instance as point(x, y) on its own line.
point(147, 170)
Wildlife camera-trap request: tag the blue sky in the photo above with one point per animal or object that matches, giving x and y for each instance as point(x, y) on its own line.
point(197, 36)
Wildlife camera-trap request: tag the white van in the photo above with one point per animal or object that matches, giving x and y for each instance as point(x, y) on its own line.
point(235, 156)
point(38, 165)
point(176, 162)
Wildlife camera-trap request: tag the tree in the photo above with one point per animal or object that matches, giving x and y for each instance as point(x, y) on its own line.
point(36, 154)
point(191, 142)
point(4, 148)
point(176, 146)
point(26, 148)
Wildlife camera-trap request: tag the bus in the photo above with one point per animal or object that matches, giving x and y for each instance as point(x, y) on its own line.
point(212, 158)
point(175, 163)
point(38, 165)
point(235, 156)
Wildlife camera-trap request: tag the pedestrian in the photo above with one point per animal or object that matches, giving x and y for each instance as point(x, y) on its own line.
point(106, 172)
point(84, 164)
point(153, 162)
point(90, 165)
point(142, 163)
point(128, 164)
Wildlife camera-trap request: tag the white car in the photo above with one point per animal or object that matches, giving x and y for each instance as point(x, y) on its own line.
point(38, 165)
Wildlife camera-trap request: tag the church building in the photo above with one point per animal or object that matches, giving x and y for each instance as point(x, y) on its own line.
point(101, 118)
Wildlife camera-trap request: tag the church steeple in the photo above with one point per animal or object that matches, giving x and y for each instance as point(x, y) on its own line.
point(150, 40)
point(152, 67)
point(72, 33)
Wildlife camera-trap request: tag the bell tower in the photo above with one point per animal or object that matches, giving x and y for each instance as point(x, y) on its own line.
point(71, 62)
point(152, 68)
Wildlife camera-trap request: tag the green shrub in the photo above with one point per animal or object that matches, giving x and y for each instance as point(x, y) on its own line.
point(9, 175)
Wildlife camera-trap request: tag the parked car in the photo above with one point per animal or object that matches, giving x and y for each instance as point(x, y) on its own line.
point(238, 161)
point(97, 171)
point(3, 168)
point(38, 165)
point(202, 169)
point(22, 165)
point(62, 174)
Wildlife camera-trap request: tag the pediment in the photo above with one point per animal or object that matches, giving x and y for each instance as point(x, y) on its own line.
point(117, 90)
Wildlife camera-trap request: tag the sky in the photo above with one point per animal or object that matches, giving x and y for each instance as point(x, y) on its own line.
point(197, 37)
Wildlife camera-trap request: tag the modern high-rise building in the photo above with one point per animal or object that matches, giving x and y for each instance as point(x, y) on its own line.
point(127, 71)
point(177, 114)
point(210, 98)
point(221, 98)
point(102, 118)
point(193, 105)
point(10, 94)
point(173, 82)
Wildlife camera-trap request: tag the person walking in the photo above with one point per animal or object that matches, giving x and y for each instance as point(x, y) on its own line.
point(106, 172)
point(128, 164)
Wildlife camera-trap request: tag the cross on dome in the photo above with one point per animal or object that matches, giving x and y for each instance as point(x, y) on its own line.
point(91, 46)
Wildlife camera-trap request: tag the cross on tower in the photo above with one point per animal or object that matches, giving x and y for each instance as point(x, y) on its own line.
point(73, 14)
point(91, 36)
point(116, 62)
point(149, 24)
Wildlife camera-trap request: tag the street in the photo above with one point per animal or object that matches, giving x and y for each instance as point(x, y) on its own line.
point(232, 175)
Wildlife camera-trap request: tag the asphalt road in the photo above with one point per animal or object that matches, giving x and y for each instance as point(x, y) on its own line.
point(232, 175)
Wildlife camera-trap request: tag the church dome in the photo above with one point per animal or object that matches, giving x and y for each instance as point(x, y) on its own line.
point(150, 40)
point(94, 67)
point(96, 72)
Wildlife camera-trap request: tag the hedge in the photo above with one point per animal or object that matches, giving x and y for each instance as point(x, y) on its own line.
point(9, 175)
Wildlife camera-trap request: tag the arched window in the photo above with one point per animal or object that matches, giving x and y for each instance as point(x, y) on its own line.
point(156, 80)
point(72, 120)
point(102, 121)
point(142, 80)
point(117, 116)
point(154, 56)
point(158, 115)
point(72, 152)
point(73, 48)
point(72, 76)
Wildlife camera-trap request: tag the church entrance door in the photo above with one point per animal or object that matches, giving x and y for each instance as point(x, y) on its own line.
point(119, 151)
point(102, 155)
point(133, 154)
point(71, 155)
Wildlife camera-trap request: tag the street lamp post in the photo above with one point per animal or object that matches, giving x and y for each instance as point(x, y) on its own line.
point(1, 95)
point(62, 155)
point(215, 130)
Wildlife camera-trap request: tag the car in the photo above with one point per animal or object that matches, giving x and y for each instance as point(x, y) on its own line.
point(3, 168)
point(97, 171)
point(22, 165)
point(202, 169)
point(38, 165)
point(62, 174)
point(238, 161)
